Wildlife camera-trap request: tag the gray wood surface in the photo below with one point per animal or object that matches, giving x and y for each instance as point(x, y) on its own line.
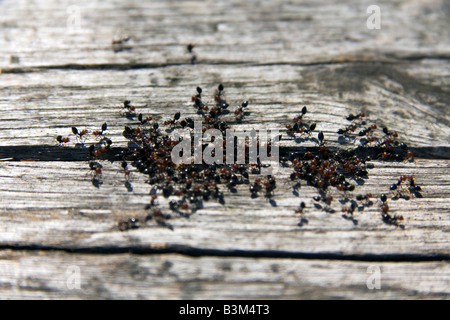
point(60, 70)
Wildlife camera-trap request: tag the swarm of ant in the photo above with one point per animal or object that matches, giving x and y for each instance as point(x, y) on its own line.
point(187, 186)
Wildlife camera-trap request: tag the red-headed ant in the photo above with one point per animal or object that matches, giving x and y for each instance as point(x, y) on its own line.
point(103, 129)
point(129, 108)
point(176, 117)
point(80, 133)
point(62, 140)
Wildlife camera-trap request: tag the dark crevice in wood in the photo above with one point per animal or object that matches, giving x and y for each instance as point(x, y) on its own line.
point(203, 252)
point(81, 153)
point(390, 59)
point(115, 66)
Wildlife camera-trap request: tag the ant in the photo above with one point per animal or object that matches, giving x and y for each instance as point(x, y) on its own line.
point(412, 185)
point(255, 187)
point(131, 223)
point(300, 116)
point(126, 171)
point(62, 140)
point(347, 130)
point(390, 133)
point(352, 117)
point(350, 210)
point(270, 185)
point(120, 41)
point(412, 188)
point(239, 112)
point(201, 107)
point(364, 132)
point(127, 105)
point(79, 133)
point(311, 128)
point(143, 120)
point(347, 213)
point(190, 47)
point(198, 95)
point(322, 146)
point(385, 216)
point(96, 167)
point(326, 199)
point(100, 133)
point(301, 207)
point(366, 196)
point(219, 93)
point(396, 185)
point(176, 117)
point(389, 219)
point(296, 129)
point(119, 45)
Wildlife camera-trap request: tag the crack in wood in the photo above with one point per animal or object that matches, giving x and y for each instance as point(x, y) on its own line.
point(81, 153)
point(390, 59)
point(205, 252)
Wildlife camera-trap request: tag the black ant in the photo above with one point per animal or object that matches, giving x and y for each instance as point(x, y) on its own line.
point(270, 185)
point(62, 140)
point(389, 219)
point(390, 133)
point(96, 168)
point(362, 197)
point(219, 93)
point(385, 216)
point(412, 185)
point(201, 107)
point(239, 112)
point(100, 133)
point(347, 130)
point(291, 129)
point(326, 199)
point(412, 188)
point(126, 171)
point(352, 117)
point(124, 225)
point(364, 132)
point(350, 210)
point(198, 95)
point(190, 47)
point(301, 207)
point(143, 120)
point(322, 146)
point(255, 187)
point(176, 117)
point(127, 105)
point(300, 116)
point(79, 133)
point(321, 136)
point(365, 197)
point(188, 122)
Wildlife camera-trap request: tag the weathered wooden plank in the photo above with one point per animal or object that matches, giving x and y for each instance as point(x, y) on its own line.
point(60, 33)
point(59, 275)
point(51, 102)
point(77, 214)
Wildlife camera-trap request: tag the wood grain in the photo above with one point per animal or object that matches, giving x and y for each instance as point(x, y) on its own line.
point(58, 275)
